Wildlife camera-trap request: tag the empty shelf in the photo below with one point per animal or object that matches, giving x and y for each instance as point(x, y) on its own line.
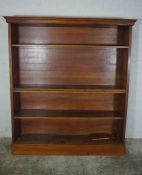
point(37, 113)
point(70, 45)
point(67, 139)
point(70, 89)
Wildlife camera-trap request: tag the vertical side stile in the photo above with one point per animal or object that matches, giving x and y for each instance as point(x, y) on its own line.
point(128, 74)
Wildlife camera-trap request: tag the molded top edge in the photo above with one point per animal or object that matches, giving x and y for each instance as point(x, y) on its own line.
point(69, 20)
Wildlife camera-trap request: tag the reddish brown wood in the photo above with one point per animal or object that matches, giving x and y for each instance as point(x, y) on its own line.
point(74, 89)
point(71, 45)
point(61, 149)
point(71, 114)
point(54, 101)
point(87, 139)
point(122, 130)
point(69, 65)
point(67, 20)
point(68, 126)
point(69, 83)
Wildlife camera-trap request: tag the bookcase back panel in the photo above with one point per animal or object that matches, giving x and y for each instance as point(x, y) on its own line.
point(62, 101)
point(65, 35)
point(70, 65)
point(69, 34)
point(67, 126)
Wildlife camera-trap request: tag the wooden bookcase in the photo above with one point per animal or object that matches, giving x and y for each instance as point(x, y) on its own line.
point(69, 84)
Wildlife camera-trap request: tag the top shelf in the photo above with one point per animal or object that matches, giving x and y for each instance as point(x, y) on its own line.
point(70, 45)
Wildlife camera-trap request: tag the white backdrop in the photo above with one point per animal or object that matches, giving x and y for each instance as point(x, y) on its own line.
point(78, 8)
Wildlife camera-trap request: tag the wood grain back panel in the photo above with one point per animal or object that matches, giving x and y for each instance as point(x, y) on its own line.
point(42, 34)
point(61, 101)
point(70, 65)
point(67, 126)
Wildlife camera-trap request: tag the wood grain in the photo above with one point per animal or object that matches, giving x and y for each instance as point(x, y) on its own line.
point(61, 149)
point(69, 84)
point(54, 101)
point(68, 20)
point(71, 114)
point(94, 66)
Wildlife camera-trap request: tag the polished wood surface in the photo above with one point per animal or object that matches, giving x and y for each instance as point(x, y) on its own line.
point(69, 20)
point(70, 45)
point(71, 114)
point(69, 35)
point(54, 101)
point(67, 126)
point(61, 149)
point(79, 66)
point(71, 89)
point(88, 139)
point(69, 84)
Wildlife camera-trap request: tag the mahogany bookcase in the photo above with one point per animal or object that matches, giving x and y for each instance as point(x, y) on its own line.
point(69, 84)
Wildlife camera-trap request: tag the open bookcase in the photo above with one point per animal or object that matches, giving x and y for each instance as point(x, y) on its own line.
point(69, 84)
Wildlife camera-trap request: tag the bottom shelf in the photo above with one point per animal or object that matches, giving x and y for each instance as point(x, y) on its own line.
point(43, 144)
point(67, 139)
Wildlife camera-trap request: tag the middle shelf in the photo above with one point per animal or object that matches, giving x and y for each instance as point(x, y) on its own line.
point(67, 122)
point(70, 89)
point(70, 114)
point(72, 45)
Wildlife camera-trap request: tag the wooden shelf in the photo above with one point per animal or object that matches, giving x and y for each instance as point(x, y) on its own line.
point(70, 45)
point(69, 85)
point(71, 89)
point(70, 114)
point(67, 139)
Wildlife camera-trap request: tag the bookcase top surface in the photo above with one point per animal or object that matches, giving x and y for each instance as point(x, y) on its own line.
point(69, 20)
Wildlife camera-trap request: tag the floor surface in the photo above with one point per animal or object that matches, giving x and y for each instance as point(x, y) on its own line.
point(130, 164)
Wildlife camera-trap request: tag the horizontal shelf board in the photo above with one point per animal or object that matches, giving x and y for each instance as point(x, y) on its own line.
point(67, 139)
point(69, 45)
point(70, 114)
point(70, 89)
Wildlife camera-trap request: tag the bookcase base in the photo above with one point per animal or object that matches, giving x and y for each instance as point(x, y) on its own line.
point(52, 149)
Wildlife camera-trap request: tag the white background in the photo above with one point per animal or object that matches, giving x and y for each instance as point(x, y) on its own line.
point(78, 8)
